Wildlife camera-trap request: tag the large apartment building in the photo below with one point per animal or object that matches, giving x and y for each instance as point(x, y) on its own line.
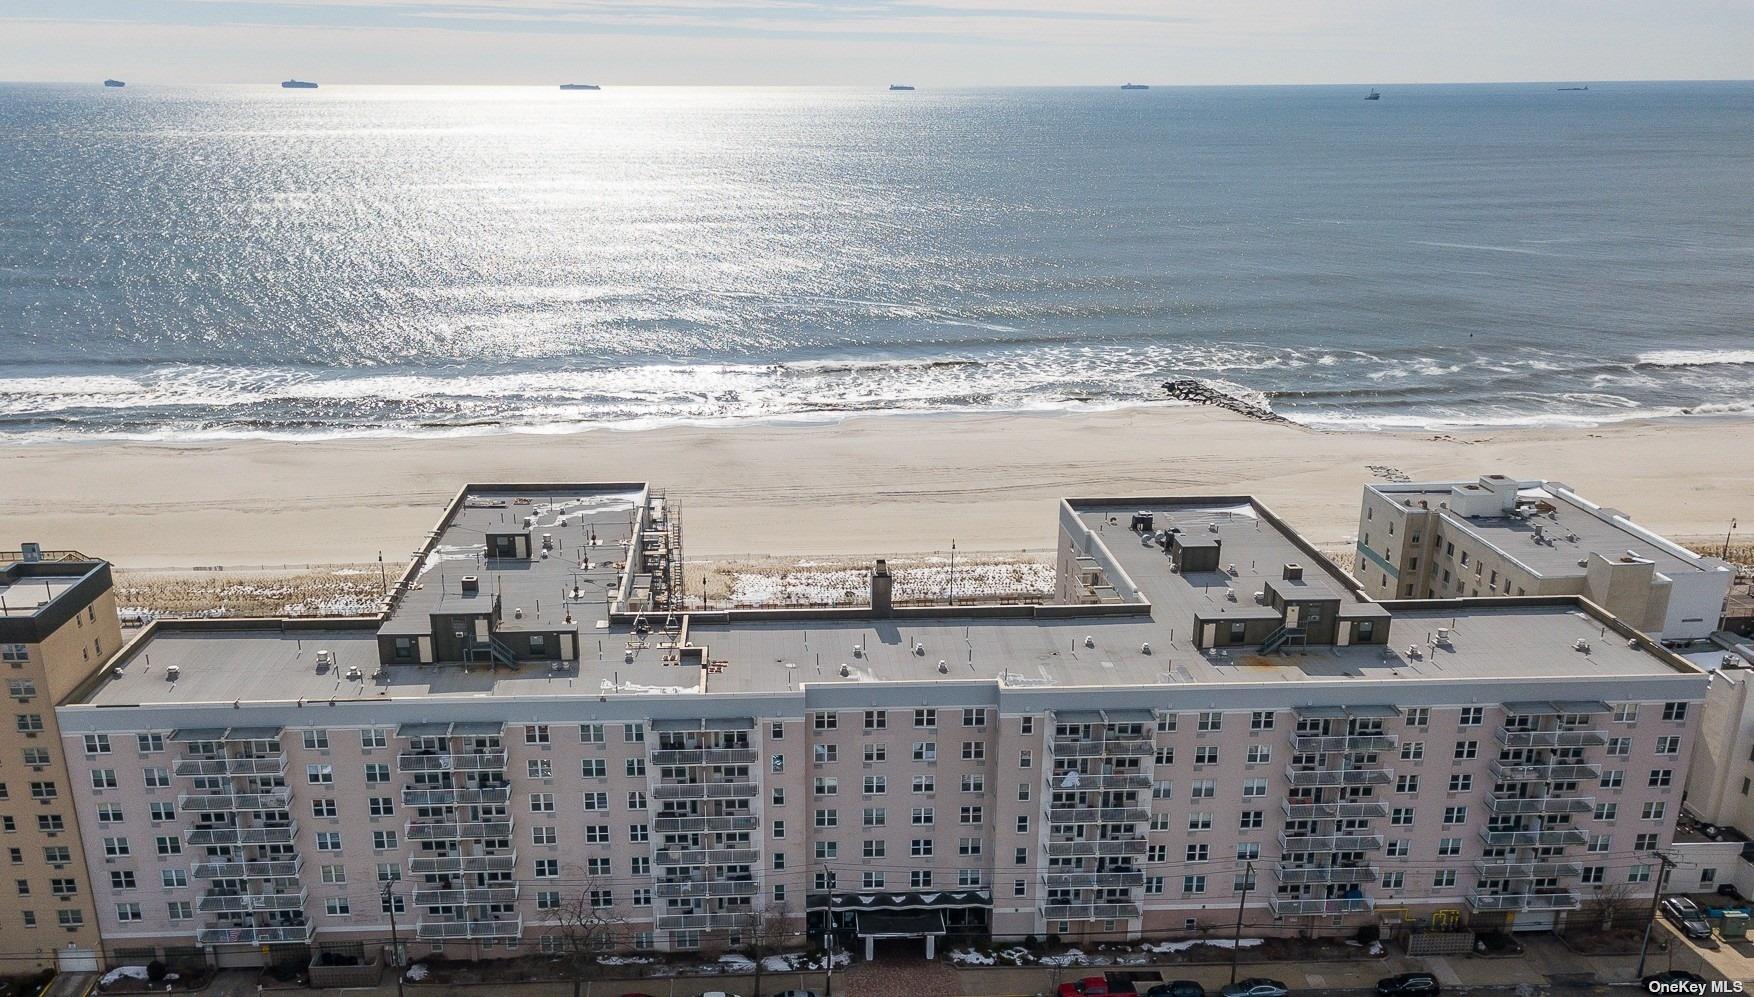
point(536, 730)
point(1499, 536)
point(58, 625)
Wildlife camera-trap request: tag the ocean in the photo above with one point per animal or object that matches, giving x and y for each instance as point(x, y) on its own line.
point(235, 262)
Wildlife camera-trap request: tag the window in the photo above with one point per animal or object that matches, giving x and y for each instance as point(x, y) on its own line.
point(1461, 782)
point(975, 783)
point(1661, 777)
point(547, 868)
point(1619, 747)
point(14, 652)
point(826, 786)
point(174, 879)
point(149, 743)
point(1449, 846)
point(923, 817)
point(541, 803)
point(377, 773)
point(971, 815)
point(975, 716)
point(1668, 745)
point(328, 841)
point(103, 779)
point(1204, 789)
point(1593, 875)
point(827, 818)
point(1211, 721)
point(926, 719)
point(1412, 751)
point(1674, 711)
point(876, 719)
point(168, 844)
point(109, 813)
point(633, 733)
point(1625, 713)
point(1252, 788)
point(825, 753)
point(1206, 755)
point(1654, 810)
point(1193, 886)
point(95, 744)
point(925, 751)
point(542, 835)
point(156, 778)
point(1467, 749)
point(1259, 754)
point(1199, 820)
point(30, 723)
point(116, 847)
point(1406, 784)
point(1613, 778)
point(1401, 817)
point(128, 912)
point(1443, 879)
point(536, 734)
point(1251, 820)
point(1607, 811)
point(539, 768)
point(594, 768)
point(1261, 720)
point(1638, 874)
point(596, 801)
point(383, 840)
point(1419, 717)
point(121, 879)
point(1644, 843)
point(323, 808)
point(596, 834)
point(824, 720)
point(925, 784)
point(974, 750)
point(371, 738)
point(320, 774)
point(1398, 848)
point(876, 785)
point(316, 740)
point(920, 847)
point(337, 907)
point(590, 733)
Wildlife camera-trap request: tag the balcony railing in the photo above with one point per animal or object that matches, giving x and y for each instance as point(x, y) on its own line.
point(1559, 772)
point(1323, 874)
point(1524, 901)
point(1339, 777)
point(211, 836)
point(1347, 743)
point(690, 825)
point(465, 896)
point(1333, 811)
point(1098, 815)
point(274, 799)
point(1101, 749)
point(1089, 912)
point(440, 865)
point(1092, 880)
point(1129, 780)
point(1541, 804)
point(1551, 738)
point(703, 791)
point(480, 761)
point(1329, 842)
point(708, 888)
point(1502, 869)
point(707, 856)
point(1308, 908)
point(216, 902)
point(441, 931)
point(705, 756)
point(459, 830)
point(696, 922)
point(274, 935)
point(265, 765)
point(1531, 839)
point(271, 869)
point(1070, 849)
point(419, 797)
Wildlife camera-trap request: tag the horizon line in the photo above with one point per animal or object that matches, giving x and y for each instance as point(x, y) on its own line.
point(942, 86)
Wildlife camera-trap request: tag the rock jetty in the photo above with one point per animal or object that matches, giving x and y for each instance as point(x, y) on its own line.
point(1200, 393)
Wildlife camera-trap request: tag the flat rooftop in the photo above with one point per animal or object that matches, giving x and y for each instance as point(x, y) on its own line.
point(591, 531)
point(27, 595)
point(1572, 528)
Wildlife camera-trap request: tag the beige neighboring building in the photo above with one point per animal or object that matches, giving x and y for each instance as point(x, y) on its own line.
point(58, 626)
point(1207, 713)
point(1498, 536)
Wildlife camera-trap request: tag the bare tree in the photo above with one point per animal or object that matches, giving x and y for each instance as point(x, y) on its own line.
point(1612, 904)
point(766, 929)
point(585, 928)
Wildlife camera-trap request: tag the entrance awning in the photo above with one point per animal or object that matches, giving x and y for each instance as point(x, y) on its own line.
point(891, 924)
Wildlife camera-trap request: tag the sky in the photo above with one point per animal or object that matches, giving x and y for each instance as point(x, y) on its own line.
point(864, 42)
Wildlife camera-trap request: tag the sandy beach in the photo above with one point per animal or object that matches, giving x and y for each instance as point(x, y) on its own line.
point(864, 486)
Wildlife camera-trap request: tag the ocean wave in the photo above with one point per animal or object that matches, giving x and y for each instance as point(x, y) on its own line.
point(1696, 358)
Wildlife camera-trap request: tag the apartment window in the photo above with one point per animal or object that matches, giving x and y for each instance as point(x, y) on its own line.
point(1644, 843)
point(971, 815)
point(1607, 811)
point(968, 846)
point(1600, 843)
point(1412, 751)
point(596, 801)
point(975, 716)
point(876, 785)
point(926, 719)
point(1406, 784)
point(1455, 815)
point(70, 918)
point(1203, 789)
point(1193, 886)
point(328, 841)
point(975, 783)
point(541, 803)
point(547, 868)
point(1418, 717)
point(633, 733)
point(925, 784)
point(827, 818)
point(974, 751)
point(1619, 747)
point(590, 733)
point(920, 847)
point(825, 753)
point(149, 743)
point(1401, 817)
point(337, 907)
point(1638, 874)
point(1261, 720)
point(383, 840)
point(542, 835)
point(1467, 749)
point(1163, 790)
point(1661, 777)
point(95, 744)
point(128, 912)
point(1398, 848)
point(1259, 754)
point(169, 844)
point(1654, 810)
point(30, 723)
point(539, 768)
point(1211, 721)
point(1674, 711)
point(826, 786)
point(1461, 782)
point(1625, 713)
point(636, 800)
point(373, 737)
point(1447, 847)
point(1206, 755)
point(323, 808)
point(316, 740)
point(1443, 879)
point(322, 774)
point(923, 816)
point(1252, 788)
point(824, 720)
point(594, 768)
point(1593, 875)
point(1613, 778)
point(157, 778)
point(14, 652)
point(116, 847)
point(1668, 745)
point(1251, 820)
point(536, 734)
point(875, 817)
point(103, 779)
point(377, 773)
point(121, 879)
point(925, 751)
point(174, 879)
point(596, 834)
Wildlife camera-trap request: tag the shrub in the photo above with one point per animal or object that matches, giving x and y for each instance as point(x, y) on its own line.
point(155, 971)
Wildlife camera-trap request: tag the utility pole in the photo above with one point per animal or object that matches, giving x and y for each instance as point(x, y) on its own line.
point(395, 941)
point(1656, 898)
point(952, 572)
point(1248, 880)
point(1732, 529)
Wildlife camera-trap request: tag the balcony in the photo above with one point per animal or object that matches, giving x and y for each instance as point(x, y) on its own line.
point(1565, 900)
point(1324, 874)
point(1339, 777)
point(707, 888)
point(1347, 743)
point(1501, 869)
point(220, 902)
point(210, 836)
point(1130, 780)
point(694, 825)
point(424, 761)
point(1124, 748)
point(451, 931)
point(275, 935)
point(213, 803)
point(1541, 804)
point(1329, 842)
point(704, 791)
point(1077, 849)
point(273, 869)
point(442, 865)
point(1565, 772)
point(1318, 908)
point(1098, 815)
point(705, 756)
point(1533, 839)
point(265, 765)
point(459, 830)
point(426, 896)
point(1551, 738)
point(706, 856)
point(1092, 880)
point(1089, 912)
point(697, 922)
point(1333, 811)
point(418, 797)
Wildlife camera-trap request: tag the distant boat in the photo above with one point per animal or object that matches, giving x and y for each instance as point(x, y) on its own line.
point(1574, 88)
point(899, 86)
point(1135, 86)
point(1373, 95)
point(114, 83)
point(580, 86)
point(298, 85)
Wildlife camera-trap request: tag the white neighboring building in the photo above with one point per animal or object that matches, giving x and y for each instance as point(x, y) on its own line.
point(1720, 782)
point(1499, 536)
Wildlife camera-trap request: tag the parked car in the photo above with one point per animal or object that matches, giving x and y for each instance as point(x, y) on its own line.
point(1090, 986)
point(1177, 988)
point(1686, 915)
point(796, 993)
point(1673, 980)
point(1256, 986)
point(1408, 983)
point(715, 993)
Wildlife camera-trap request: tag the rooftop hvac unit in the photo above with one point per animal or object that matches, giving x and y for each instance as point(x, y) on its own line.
point(324, 660)
point(172, 673)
